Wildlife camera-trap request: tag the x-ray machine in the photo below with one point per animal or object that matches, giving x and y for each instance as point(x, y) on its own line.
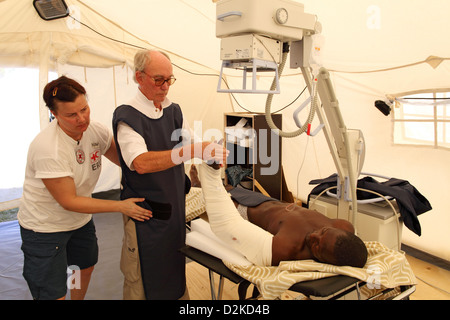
point(256, 35)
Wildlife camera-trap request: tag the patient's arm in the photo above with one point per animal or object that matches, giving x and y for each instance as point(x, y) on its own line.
point(252, 241)
point(284, 249)
point(280, 251)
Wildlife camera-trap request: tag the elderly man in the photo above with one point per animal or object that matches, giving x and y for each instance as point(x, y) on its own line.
point(148, 132)
point(276, 231)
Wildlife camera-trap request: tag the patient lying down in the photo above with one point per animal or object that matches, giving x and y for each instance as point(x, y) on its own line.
point(277, 231)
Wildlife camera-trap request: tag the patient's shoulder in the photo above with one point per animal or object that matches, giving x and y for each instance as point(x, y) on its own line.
point(343, 225)
point(285, 249)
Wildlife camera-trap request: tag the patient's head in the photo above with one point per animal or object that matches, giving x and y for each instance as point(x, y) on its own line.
point(337, 247)
point(349, 250)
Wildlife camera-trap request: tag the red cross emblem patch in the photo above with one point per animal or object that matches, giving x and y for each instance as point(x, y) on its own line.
point(94, 156)
point(96, 161)
point(79, 154)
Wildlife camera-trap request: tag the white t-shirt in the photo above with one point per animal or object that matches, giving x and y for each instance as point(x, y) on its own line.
point(53, 154)
point(131, 143)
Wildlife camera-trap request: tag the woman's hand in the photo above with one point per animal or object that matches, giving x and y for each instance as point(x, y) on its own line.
point(64, 191)
point(131, 209)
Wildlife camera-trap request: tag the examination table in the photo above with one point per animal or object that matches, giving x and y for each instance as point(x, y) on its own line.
point(331, 286)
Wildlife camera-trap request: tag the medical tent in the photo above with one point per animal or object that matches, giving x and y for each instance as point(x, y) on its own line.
point(374, 50)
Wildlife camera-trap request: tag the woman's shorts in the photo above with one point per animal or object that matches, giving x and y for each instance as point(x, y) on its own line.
point(47, 257)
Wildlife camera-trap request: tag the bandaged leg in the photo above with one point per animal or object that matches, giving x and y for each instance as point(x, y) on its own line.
point(227, 224)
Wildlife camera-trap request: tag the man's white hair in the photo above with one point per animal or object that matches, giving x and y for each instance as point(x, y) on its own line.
point(142, 58)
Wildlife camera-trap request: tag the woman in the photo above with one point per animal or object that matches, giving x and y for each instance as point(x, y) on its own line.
point(63, 167)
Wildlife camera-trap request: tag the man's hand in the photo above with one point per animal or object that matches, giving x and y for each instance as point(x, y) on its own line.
point(213, 152)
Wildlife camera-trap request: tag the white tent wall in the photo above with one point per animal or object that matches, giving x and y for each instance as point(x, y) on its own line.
point(15, 103)
point(361, 35)
point(424, 167)
point(370, 36)
point(103, 66)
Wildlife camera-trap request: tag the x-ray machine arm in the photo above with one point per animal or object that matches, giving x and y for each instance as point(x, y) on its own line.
point(284, 21)
point(344, 145)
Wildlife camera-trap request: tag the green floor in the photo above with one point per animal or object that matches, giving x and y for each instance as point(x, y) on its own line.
point(8, 215)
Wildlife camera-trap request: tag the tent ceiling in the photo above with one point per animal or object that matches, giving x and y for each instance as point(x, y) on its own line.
point(360, 35)
point(186, 28)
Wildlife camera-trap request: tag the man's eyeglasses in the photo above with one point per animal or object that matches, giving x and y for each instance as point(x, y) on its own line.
point(159, 81)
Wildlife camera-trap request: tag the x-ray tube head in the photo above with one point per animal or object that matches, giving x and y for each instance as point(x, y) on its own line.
point(252, 34)
point(283, 20)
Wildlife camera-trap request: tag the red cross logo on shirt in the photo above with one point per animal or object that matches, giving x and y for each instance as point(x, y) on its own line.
point(94, 156)
point(96, 161)
point(79, 154)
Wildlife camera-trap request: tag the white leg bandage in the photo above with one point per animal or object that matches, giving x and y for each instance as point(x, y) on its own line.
point(227, 224)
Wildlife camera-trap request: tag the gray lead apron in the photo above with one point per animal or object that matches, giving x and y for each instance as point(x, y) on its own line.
point(160, 238)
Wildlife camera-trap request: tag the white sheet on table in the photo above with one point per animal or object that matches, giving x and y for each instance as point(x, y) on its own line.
point(202, 238)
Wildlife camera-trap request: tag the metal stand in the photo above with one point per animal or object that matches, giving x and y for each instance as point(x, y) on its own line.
point(254, 66)
point(215, 296)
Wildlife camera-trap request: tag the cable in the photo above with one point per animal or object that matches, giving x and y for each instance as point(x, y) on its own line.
point(433, 286)
point(105, 36)
point(179, 67)
point(406, 98)
point(301, 165)
point(397, 215)
point(288, 105)
point(268, 114)
point(320, 194)
point(387, 69)
point(139, 47)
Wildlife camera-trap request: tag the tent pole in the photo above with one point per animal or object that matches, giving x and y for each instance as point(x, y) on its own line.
point(43, 78)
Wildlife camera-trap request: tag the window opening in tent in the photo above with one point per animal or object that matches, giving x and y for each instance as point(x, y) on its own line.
point(423, 119)
point(19, 124)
